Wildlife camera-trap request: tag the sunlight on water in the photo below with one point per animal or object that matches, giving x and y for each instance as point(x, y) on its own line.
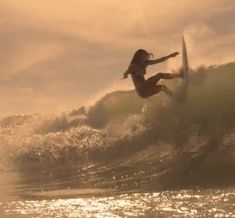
point(208, 203)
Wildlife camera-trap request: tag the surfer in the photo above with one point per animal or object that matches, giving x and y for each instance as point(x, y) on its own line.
point(137, 68)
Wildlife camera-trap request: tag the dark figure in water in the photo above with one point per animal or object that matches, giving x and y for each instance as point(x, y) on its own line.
point(137, 68)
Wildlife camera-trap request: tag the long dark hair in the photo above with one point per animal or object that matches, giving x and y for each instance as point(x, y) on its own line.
point(138, 54)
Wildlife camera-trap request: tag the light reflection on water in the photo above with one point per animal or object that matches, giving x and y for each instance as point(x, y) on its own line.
point(185, 203)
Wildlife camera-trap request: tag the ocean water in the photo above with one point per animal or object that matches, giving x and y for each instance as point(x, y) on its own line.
point(108, 203)
point(126, 157)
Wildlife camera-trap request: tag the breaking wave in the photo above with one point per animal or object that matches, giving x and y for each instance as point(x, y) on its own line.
point(125, 142)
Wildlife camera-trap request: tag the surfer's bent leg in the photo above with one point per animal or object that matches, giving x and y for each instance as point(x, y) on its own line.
point(154, 79)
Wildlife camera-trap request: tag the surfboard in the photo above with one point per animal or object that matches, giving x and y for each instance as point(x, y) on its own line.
point(185, 64)
point(181, 94)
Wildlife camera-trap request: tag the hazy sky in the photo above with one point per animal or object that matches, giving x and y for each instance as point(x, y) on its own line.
point(60, 54)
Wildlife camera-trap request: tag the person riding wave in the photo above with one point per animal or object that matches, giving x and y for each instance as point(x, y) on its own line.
point(137, 68)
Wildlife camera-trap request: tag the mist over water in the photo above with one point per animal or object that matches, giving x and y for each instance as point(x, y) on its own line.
point(123, 144)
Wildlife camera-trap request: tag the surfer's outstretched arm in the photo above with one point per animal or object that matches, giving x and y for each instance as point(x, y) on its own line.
point(162, 59)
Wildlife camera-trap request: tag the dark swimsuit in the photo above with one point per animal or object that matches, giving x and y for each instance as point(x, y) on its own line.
point(145, 88)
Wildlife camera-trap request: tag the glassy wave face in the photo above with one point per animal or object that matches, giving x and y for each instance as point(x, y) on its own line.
point(123, 143)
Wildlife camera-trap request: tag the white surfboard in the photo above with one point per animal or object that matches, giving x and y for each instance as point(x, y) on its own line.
point(185, 65)
point(181, 94)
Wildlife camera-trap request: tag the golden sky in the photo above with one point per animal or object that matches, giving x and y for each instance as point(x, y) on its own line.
point(59, 54)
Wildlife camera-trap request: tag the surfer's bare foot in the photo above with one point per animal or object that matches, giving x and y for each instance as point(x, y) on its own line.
point(167, 91)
